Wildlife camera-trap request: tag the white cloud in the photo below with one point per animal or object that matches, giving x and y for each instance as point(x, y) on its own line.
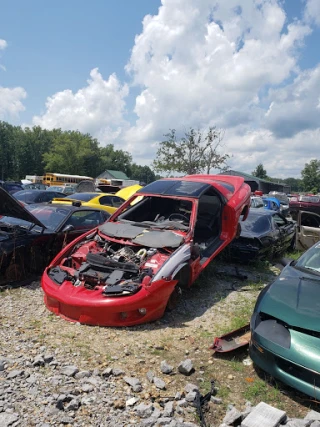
point(296, 106)
point(11, 102)
point(97, 108)
point(233, 64)
point(3, 44)
point(281, 158)
point(312, 11)
point(207, 63)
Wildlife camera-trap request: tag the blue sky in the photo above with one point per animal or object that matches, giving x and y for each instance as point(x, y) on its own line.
point(108, 68)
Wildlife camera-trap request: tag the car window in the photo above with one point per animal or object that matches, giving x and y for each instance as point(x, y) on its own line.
point(116, 201)
point(256, 223)
point(279, 221)
point(105, 200)
point(310, 220)
point(85, 219)
point(47, 196)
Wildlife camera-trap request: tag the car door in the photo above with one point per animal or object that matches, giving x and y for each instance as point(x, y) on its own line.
point(308, 230)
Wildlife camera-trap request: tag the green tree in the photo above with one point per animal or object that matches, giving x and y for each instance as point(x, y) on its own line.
point(190, 154)
point(311, 176)
point(142, 173)
point(115, 159)
point(260, 172)
point(73, 153)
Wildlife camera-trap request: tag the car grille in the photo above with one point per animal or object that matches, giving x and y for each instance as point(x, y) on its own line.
point(304, 374)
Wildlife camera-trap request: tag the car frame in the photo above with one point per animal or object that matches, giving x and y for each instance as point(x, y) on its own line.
point(129, 270)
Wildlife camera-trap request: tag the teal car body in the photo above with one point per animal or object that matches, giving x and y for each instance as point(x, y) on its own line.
point(285, 326)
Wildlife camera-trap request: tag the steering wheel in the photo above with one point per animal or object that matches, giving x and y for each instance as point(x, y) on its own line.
point(178, 217)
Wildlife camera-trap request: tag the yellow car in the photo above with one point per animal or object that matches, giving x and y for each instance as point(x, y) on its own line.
point(105, 201)
point(127, 192)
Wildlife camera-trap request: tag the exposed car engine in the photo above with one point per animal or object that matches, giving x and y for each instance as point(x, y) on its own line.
point(110, 267)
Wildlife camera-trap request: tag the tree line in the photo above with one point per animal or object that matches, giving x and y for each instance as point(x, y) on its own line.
point(309, 181)
point(34, 151)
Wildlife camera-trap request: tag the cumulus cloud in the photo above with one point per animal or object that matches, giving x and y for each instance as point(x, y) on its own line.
point(295, 107)
point(11, 102)
point(98, 108)
point(232, 64)
point(3, 44)
point(312, 11)
point(281, 158)
point(206, 63)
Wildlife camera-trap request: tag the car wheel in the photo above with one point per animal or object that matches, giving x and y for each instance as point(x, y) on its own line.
point(174, 298)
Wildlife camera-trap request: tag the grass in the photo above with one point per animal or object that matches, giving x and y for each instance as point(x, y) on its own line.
point(260, 390)
point(240, 316)
point(293, 254)
point(237, 365)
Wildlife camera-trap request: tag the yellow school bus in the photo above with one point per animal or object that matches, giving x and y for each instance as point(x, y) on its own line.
point(61, 179)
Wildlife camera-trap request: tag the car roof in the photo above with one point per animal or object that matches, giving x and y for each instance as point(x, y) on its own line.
point(193, 186)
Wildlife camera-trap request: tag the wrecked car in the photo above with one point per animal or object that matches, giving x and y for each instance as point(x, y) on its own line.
point(272, 204)
point(285, 326)
point(264, 234)
point(31, 235)
point(283, 200)
point(307, 203)
point(128, 270)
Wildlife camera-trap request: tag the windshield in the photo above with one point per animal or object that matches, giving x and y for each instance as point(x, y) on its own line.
point(310, 260)
point(83, 197)
point(256, 223)
point(55, 188)
point(50, 216)
point(26, 196)
point(309, 199)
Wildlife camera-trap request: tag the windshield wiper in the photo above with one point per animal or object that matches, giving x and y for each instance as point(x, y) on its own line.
point(308, 270)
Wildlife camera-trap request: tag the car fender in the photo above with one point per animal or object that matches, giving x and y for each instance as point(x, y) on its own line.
point(177, 260)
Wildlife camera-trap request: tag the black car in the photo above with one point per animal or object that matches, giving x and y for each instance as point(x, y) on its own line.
point(265, 233)
point(37, 196)
point(11, 186)
point(31, 235)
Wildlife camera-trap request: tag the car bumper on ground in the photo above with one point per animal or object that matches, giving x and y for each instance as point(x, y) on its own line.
point(74, 304)
point(281, 365)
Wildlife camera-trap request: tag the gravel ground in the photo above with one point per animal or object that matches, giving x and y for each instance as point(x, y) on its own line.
point(57, 373)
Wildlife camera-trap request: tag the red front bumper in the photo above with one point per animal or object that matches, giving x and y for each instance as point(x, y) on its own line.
point(91, 307)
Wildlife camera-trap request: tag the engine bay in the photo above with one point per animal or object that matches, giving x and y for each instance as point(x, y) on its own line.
point(113, 268)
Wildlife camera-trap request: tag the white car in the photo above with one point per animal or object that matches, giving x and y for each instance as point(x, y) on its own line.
point(256, 202)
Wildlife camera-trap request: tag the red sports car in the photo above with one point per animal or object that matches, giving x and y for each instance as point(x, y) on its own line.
point(129, 269)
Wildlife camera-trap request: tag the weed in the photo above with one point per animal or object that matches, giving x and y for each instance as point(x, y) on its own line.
point(205, 334)
point(236, 365)
point(240, 316)
point(293, 254)
point(223, 392)
point(260, 390)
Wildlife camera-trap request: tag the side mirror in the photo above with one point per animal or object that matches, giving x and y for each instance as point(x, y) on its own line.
point(68, 228)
